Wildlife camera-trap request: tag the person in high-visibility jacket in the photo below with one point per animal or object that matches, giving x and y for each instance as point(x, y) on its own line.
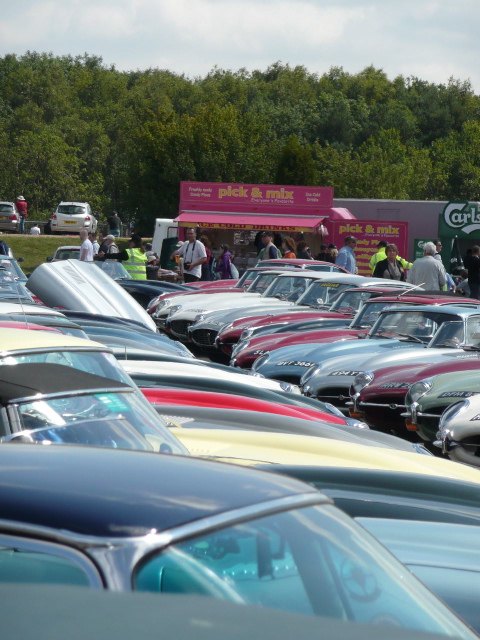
point(381, 255)
point(134, 259)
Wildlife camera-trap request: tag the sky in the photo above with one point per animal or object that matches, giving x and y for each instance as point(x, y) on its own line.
point(430, 39)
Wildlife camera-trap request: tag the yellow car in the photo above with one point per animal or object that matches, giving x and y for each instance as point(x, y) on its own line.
point(252, 448)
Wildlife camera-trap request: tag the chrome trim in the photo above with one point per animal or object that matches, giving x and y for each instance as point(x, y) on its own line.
point(411, 413)
point(59, 551)
point(390, 405)
point(60, 394)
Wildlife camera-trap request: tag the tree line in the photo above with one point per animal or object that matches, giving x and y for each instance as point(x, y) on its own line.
point(73, 128)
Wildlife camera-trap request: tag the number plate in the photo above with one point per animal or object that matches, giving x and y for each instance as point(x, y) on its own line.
point(70, 222)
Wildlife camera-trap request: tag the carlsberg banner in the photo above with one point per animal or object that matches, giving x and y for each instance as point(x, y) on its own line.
point(459, 219)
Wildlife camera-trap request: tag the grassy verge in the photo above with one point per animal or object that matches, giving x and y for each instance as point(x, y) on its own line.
point(36, 249)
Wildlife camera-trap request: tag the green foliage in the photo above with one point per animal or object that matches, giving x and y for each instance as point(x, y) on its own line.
point(73, 128)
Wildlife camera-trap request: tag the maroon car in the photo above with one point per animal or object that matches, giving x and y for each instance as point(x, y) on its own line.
point(246, 352)
point(382, 401)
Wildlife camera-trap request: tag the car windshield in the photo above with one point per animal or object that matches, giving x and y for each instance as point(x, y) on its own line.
point(350, 301)
point(456, 334)
point(6, 208)
point(247, 278)
point(117, 420)
point(312, 561)
point(100, 363)
point(288, 288)
point(71, 209)
point(369, 313)
point(322, 294)
point(114, 269)
point(262, 282)
point(67, 254)
point(12, 267)
point(419, 326)
point(10, 289)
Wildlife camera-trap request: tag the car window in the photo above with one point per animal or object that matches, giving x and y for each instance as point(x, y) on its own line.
point(31, 562)
point(70, 209)
point(459, 589)
point(322, 293)
point(68, 254)
point(309, 561)
point(6, 208)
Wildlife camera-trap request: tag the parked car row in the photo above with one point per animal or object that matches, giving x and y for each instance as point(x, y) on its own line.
point(141, 480)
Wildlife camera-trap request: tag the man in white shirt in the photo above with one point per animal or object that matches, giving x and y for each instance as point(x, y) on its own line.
point(93, 239)
point(428, 272)
point(35, 230)
point(86, 249)
point(193, 254)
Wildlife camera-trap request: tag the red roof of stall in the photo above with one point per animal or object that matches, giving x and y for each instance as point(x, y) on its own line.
point(235, 220)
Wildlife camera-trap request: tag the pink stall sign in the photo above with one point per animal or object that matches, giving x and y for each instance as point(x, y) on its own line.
point(368, 234)
point(252, 198)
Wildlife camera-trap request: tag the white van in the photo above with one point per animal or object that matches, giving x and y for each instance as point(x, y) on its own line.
point(165, 237)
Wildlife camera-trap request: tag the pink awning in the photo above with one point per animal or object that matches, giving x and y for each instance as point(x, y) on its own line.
point(267, 222)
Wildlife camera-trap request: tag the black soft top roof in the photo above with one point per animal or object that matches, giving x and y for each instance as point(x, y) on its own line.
point(26, 380)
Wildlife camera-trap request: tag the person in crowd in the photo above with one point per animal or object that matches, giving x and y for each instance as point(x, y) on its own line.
point(450, 286)
point(472, 265)
point(463, 288)
point(346, 255)
point(93, 239)
point(86, 248)
point(114, 224)
point(35, 230)
point(289, 248)
point(334, 254)
point(152, 266)
point(324, 253)
point(133, 259)
point(303, 251)
point(269, 251)
point(206, 266)
point(381, 255)
point(391, 267)
point(22, 209)
point(194, 255)
point(224, 266)
point(428, 272)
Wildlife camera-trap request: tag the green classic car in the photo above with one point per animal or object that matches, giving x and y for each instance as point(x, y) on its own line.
point(427, 399)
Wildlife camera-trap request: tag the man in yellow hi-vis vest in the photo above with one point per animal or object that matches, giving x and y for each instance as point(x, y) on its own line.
point(134, 258)
point(381, 255)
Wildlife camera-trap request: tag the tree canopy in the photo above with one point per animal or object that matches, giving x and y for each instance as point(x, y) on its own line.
point(72, 128)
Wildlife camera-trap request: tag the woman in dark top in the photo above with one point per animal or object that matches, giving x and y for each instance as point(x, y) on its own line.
point(391, 267)
point(303, 252)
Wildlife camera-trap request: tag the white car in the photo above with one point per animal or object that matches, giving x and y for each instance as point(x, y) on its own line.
point(72, 217)
point(9, 217)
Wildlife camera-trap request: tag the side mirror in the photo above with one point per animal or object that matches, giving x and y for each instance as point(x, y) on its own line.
point(50, 258)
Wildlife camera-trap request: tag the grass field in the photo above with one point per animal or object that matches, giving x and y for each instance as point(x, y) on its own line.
point(36, 249)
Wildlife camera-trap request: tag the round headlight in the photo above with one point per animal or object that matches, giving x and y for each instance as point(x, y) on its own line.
point(452, 412)
point(260, 361)
point(246, 333)
point(174, 309)
point(239, 346)
point(361, 380)
point(199, 318)
point(290, 388)
point(418, 390)
point(163, 303)
point(227, 326)
point(309, 373)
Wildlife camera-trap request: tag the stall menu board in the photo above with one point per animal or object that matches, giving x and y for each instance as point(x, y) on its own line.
point(368, 234)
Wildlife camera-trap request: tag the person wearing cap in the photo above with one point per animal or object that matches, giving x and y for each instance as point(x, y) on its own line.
point(269, 251)
point(382, 255)
point(346, 255)
point(134, 258)
point(22, 209)
point(194, 255)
